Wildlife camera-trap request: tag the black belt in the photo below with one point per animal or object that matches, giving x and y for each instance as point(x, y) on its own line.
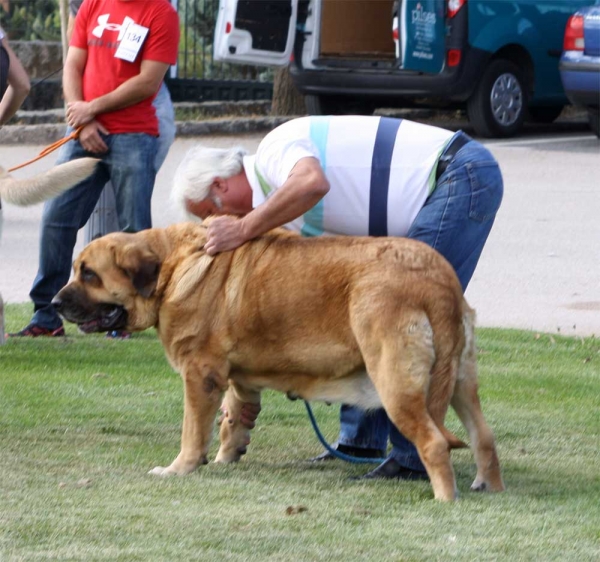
point(451, 150)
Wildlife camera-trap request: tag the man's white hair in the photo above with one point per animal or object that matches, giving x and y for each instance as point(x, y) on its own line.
point(199, 168)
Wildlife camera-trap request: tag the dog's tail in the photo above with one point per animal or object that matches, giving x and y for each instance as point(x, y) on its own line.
point(443, 382)
point(47, 184)
point(453, 441)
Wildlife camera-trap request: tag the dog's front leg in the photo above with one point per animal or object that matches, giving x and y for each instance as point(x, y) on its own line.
point(240, 409)
point(204, 386)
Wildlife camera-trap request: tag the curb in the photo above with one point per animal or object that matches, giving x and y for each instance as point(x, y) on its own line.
point(235, 126)
point(51, 132)
point(209, 118)
point(47, 127)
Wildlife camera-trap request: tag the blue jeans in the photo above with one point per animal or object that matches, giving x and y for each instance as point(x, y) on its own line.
point(129, 164)
point(166, 124)
point(455, 220)
point(104, 216)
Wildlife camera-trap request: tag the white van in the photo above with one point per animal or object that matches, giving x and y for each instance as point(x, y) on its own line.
point(497, 58)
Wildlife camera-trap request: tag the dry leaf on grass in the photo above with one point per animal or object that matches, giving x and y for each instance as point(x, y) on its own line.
point(295, 509)
point(81, 483)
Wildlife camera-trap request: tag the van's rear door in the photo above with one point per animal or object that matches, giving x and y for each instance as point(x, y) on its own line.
point(255, 31)
point(423, 35)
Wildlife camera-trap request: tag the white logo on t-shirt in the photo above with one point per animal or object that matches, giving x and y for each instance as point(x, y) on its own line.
point(103, 24)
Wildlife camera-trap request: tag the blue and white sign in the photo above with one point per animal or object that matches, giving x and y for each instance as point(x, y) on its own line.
point(424, 32)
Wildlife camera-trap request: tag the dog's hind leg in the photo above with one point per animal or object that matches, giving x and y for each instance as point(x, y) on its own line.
point(399, 363)
point(240, 409)
point(466, 404)
point(204, 385)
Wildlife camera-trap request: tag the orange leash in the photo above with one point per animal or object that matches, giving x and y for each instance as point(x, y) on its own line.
point(50, 148)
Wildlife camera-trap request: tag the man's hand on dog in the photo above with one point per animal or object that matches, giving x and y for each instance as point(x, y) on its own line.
point(225, 233)
point(90, 138)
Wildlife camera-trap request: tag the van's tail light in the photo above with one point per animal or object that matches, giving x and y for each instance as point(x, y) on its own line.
point(454, 7)
point(453, 57)
point(574, 34)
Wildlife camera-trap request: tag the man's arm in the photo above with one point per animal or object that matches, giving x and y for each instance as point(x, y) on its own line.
point(304, 188)
point(138, 88)
point(18, 86)
point(73, 74)
point(90, 137)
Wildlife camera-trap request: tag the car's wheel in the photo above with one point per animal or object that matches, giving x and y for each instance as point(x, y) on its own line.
point(498, 106)
point(547, 114)
point(594, 120)
point(336, 105)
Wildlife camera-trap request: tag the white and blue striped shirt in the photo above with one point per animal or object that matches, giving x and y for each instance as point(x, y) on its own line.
point(380, 171)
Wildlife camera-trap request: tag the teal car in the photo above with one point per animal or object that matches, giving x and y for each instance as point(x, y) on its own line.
point(496, 58)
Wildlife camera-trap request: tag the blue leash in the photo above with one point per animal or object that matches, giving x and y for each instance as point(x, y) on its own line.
point(337, 454)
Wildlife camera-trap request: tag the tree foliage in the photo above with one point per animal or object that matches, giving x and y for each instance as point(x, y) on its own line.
point(32, 20)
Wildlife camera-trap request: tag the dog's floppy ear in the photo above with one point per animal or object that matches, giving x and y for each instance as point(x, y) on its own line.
point(145, 278)
point(141, 265)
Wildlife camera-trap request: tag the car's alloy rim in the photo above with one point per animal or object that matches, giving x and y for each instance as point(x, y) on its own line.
point(506, 99)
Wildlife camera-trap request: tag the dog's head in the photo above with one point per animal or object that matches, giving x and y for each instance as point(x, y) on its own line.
point(113, 285)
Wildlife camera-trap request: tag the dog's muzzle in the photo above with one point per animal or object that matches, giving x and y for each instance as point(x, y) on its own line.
point(102, 317)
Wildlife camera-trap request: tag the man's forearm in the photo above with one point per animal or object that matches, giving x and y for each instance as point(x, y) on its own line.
point(304, 188)
point(72, 85)
point(129, 93)
point(277, 213)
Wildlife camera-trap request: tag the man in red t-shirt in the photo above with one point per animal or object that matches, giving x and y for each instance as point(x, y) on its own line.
point(116, 92)
point(118, 56)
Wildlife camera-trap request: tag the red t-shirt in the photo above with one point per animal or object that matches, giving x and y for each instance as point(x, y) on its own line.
point(97, 29)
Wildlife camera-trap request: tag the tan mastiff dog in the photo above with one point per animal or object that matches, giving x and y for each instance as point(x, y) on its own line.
point(34, 190)
point(365, 321)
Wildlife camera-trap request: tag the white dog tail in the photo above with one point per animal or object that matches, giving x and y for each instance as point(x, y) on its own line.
point(47, 184)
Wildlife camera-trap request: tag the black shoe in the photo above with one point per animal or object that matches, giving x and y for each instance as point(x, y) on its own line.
point(392, 469)
point(34, 331)
point(349, 450)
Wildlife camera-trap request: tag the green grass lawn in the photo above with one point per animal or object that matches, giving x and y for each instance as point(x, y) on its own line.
point(83, 419)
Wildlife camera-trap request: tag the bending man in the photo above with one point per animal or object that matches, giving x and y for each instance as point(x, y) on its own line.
point(358, 176)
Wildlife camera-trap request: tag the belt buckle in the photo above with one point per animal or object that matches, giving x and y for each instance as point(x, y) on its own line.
point(445, 158)
point(442, 164)
point(443, 161)
point(447, 155)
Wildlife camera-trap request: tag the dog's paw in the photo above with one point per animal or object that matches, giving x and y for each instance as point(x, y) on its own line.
point(162, 471)
point(487, 486)
point(479, 486)
point(171, 470)
point(229, 456)
point(178, 467)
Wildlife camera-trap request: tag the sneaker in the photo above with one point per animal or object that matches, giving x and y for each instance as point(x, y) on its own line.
point(391, 469)
point(34, 331)
point(118, 335)
point(358, 452)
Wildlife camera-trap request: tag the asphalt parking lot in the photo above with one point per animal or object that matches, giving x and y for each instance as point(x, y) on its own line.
point(540, 269)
